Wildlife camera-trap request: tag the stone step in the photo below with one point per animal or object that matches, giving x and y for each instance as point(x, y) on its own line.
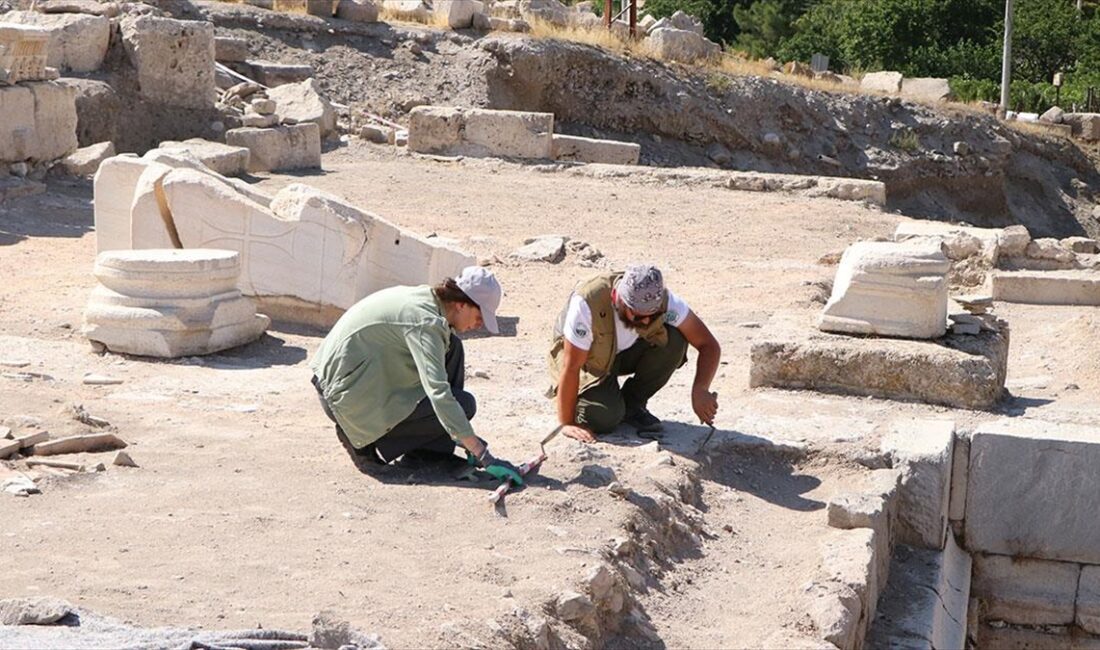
point(1072, 287)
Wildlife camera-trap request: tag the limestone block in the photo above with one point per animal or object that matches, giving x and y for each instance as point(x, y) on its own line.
point(1084, 245)
point(1003, 637)
point(359, 11)
point(435, 129)
point(1013, 241)
point(685, 21)
point(186, 159)
point(924, 450)
point(882, 82)
point(85, 161)
point(551, 11)
point(926, 603)
point(849, 559)
point(1087, 605)
point(509, 133)
point(230, 49)
point(409, 9)
point(1069, 287)
point(150, 220)
point(889, 289)
point(589, 150)
point(302, 102)
point(257, 121)
point(377, 134)
point(222, 158)
point(927, 89)
point(835, 610)
point(960, 242)
point(23, 53)
point(458, 14)
point(77, 42)
point(113, 190)
point(1047, 248)
point(170, 303)
point(959, 370)
point(960, 474)
point(1054, 115)
point(681, 45)
point(276, 74)
point(1026, 591)
point(1084, 125)
point(174, 60)
point(1043, 516)
point(39, 121)
point(280, 148)
point(90, 7)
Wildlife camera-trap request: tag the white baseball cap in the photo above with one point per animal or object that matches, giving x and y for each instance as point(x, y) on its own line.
point(478, 283)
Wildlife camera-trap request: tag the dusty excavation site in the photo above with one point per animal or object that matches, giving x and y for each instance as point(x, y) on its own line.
point(906, 296)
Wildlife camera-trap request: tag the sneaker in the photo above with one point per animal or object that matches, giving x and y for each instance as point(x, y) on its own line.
point(643, 421)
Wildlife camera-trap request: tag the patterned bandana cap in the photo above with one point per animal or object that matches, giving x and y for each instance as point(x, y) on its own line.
point(642, 289)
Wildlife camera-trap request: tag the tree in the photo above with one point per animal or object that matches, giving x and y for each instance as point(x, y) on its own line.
point(764, 24)
point(719, 24)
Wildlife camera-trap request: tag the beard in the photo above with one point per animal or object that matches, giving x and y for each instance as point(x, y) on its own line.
point(637, 327)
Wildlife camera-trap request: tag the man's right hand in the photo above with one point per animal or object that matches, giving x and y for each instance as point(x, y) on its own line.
point(577, 433)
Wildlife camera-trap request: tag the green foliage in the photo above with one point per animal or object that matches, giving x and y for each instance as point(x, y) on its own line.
point(765, 24)
point(906, 140)
point(718, 83)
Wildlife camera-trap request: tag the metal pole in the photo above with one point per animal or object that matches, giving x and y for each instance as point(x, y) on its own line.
point(607, 9)
point(1006, 61)
point(633, 18)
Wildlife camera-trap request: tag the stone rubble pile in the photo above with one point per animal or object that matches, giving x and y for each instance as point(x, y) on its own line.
point(27, 454)
point(170, 303)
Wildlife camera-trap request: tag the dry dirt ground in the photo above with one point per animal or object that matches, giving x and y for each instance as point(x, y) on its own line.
point(245, 510)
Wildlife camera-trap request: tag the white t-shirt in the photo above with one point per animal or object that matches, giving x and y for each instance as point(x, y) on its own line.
point(577, 328)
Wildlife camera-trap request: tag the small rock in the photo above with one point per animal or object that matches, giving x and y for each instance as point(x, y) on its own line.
point(1080, 245)
point(961, 148)
point(752, 325)
point(1013, 241)
point(618, 489)
point(633, 578)
point(263, 106)
point(20, 486)
point(377, 134)
point(664, 459)
point(600, 581)
point(123, 459)
point(100, 380)
point(544, 249)
point(20, 169)
point(718, 153)
point(481, 374)
point(650, 447)
point(33, 611)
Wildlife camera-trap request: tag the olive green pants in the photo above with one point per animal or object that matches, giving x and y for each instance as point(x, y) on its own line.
point(602, 407)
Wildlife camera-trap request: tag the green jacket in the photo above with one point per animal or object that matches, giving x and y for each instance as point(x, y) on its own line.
point(596, 291)
point(382, 357)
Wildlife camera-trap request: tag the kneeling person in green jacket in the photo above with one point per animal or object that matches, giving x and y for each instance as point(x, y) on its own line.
point(390, 374)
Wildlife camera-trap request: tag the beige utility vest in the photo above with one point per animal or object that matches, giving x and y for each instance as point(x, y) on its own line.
point(596, 292)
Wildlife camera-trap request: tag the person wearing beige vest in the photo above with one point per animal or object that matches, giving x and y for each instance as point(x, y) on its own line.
point(617, 324)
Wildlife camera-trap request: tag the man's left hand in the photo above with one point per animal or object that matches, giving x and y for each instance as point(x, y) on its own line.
point(705, 404)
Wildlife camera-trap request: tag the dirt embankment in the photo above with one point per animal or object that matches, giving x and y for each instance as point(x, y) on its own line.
point(675, 112)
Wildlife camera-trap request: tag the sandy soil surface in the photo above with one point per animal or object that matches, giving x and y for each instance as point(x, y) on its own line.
point(245, 511)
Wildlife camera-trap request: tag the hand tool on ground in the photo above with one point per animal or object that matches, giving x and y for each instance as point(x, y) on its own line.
point(531, 465)
point(705, 440)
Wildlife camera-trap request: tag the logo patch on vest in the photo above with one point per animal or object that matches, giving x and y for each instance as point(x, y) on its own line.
point(670, 316)
point(580, 331)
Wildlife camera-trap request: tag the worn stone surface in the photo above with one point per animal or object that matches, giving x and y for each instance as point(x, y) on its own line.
point(302, 102)
point(170, 303)
point(359, 11)
point(1013, 241)
point(590, 150)
point(377, 134)
point(113, 189)
point(1087, 604)
point(850, 566)
point(174, 60)
point(889, 289)
point(77, 42)
point(1024, 591)
point(882, 82)
point(926, 603)
point(960, 242)
point(1068, 287)
point(835, 610)
point(23, 52)
point(1048, 248)
point(960, 474)
point(97, 111)
point(542, 249)
point(1042, 517)
point(280, 148)
point(480, 132)
point(230, 49)
point(924, 450)
point(1084, 125)
point(33, 611)
point(273, 74)
point(39, 121)
point(85, 161)
point(672, 44)
point(958, 370)
point(458, 14)
point(572, 606)
point(1085, 245)
point(926, 89)
point(224, 159)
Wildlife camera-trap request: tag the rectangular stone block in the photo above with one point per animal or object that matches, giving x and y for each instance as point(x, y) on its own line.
point(174, 60)
point(435, 129)
point(113, 191)
point(889, 289)
point(280, 148)
point(1071, 287)
point(222, 158)
point(1084, 125)
point(923, 450)
point(589, 150)
point(77, 42)
point(848, 561)
point(882, 82)
point(273, 74)
point(1031, 489)
point(966, 371)
point(1087, 608)
point(1025, 591)
point(960, 474)
point(926, 602)
point(517, 134)
point(230, 49)
point(926, 89)
point(458, 14)
point(39, 121)
point(23, 53)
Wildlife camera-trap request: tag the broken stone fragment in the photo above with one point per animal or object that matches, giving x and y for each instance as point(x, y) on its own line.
point(377, 134)
point(600, 581)
point(92, 379)
point(33, 611)
point(123, 459)
point(544, 249)
point(86, 161)
point(572, 606)
point(1013, 241)
point(91, 442)
point(303, 103)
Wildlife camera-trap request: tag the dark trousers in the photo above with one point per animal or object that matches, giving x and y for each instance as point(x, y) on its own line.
point(421, 430)
point(602, 407)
